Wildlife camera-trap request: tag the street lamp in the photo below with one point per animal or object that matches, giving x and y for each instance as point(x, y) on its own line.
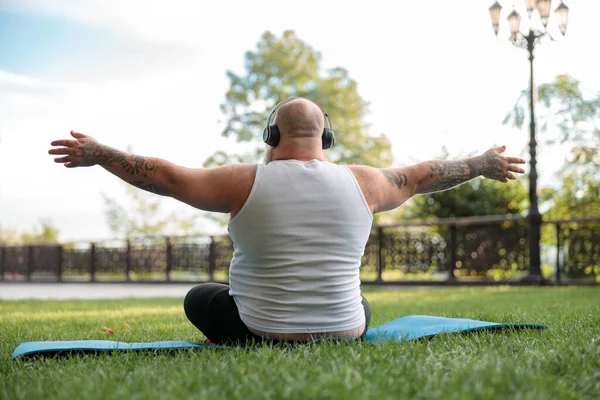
point(528, 43)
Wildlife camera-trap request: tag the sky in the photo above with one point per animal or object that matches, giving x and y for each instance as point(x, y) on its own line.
point(152, 75)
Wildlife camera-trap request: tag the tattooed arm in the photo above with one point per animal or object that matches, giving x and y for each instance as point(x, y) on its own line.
point(208, 189)
point(437, 176)
point(147, 173)
point(387, 188)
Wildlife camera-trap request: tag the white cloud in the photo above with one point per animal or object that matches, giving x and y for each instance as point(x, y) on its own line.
point(157, 115)
point(9, 80)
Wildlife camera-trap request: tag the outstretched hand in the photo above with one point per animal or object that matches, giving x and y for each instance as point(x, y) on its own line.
point(78, 152)
point(498, 167)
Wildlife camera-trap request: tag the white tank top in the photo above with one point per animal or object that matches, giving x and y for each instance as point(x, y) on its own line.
point(298, 242)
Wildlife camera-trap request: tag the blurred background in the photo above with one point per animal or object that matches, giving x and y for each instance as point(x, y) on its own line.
point(193, 82)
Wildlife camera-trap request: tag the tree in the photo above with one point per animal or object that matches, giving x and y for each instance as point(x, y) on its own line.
point(577, 197)
point(8, 236)
point(45, 232)
point(562, 104)
point(474, 198)
point(577, 119)
point(144, 215)
point(283, 67)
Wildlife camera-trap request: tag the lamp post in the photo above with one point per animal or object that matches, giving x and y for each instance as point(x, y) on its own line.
point(528, 42)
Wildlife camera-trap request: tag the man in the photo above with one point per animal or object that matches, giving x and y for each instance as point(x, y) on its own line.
point(299, 224)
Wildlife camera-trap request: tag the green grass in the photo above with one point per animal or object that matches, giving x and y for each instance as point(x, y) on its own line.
point(562, 361)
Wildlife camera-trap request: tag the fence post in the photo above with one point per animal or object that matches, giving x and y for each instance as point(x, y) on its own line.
point(59, 260)
point(169, 259)
point(3, 252)
point(452, 275)
point(558, 252)
point(379, 254)
point(212, 259)
point(92, 262)
point(128, 261)
point(29, 263)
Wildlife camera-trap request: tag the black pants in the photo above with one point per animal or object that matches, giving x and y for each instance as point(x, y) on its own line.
point(212, 310)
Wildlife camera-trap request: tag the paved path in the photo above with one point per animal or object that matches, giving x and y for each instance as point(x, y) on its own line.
point(19, 291)
point(63, 291)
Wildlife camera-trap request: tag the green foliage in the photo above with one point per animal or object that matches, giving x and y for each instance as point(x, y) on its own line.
point(8, 236)
point(579, 196)
point(45, 232)
point(555, 363)
point(474, 198)
point(145, 216)
point(562, 104)
point(281, 67)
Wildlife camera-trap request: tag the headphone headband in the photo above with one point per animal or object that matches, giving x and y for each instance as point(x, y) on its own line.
point(271, 134)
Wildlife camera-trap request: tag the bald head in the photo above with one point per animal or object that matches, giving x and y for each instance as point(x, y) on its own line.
point(300, 118)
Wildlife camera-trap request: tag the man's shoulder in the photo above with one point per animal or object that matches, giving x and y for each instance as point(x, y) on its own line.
point(243, 172)
point(236, 178)
point(239, 168)
point(362, 170)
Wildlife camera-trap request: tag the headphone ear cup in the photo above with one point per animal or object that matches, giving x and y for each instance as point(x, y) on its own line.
point(328, 138)
point(271, 135)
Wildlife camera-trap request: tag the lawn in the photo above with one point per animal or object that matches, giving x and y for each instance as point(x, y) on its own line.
point(562, 361)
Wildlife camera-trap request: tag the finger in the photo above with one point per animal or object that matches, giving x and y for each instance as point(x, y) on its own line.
point(514, 168)
point(77, 135)
point(510, 176)
point(62, 159)
point(62, 150)
point(515, 160)
point(63, 142)
point(500, 149)
point(70, 165)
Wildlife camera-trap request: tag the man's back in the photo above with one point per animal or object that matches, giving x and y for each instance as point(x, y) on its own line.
point(299, 239)
point(299, 224)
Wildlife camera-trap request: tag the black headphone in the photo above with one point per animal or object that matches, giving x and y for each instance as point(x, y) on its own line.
point(271, 134)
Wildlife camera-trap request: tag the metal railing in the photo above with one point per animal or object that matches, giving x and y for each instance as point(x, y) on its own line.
point(470, 250)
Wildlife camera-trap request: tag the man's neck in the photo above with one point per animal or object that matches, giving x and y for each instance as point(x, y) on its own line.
point(294, 152)
point(298, 158)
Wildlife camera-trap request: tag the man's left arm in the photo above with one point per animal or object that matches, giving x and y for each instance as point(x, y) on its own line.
point(388, 188)
point(436, 176)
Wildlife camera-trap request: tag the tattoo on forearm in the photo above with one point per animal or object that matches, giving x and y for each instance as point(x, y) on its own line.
point(446, 183)
point(474, 167)
point(397, 178)
point(447, 168)
point(142, 170)
point(447, 174)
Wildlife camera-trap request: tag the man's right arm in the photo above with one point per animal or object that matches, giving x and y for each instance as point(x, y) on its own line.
point(388, 188)
point(220, 189)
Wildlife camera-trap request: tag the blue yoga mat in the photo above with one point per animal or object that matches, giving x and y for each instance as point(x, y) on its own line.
point(401, 329)
point(423, 326)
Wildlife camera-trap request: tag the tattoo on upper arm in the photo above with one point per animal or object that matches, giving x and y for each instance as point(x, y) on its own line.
point(396, 178)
